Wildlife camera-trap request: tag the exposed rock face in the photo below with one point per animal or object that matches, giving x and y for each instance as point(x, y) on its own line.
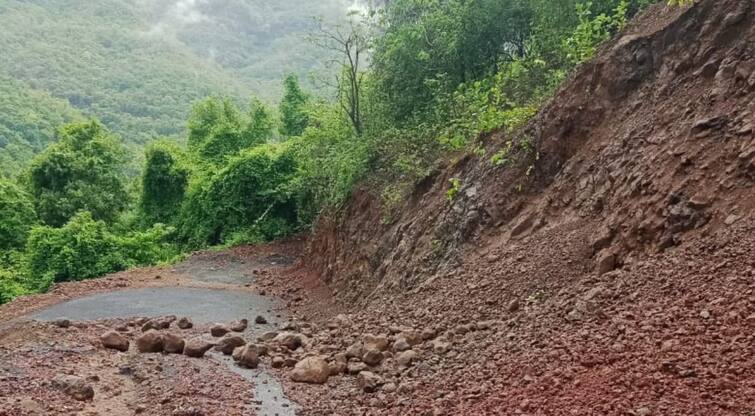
point(196, 347)
point(150, 341)
point(313, 370)
point(115, 341)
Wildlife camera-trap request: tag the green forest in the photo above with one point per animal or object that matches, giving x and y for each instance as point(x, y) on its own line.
point(414, 80)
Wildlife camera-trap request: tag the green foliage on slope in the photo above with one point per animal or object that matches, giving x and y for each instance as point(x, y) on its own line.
point(28, 119)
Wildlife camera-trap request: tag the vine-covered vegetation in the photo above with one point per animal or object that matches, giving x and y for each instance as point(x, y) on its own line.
point(441, 73)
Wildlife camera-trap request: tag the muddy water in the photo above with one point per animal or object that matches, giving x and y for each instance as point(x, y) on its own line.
point(202, 306)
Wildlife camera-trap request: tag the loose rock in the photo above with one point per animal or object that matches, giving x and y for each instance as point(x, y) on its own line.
point(196, 348)
point(229, 343)
point(150, 341)
point(114, 340)
point(313, 370)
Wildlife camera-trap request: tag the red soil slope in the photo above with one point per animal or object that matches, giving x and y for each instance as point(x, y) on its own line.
point(617, 259)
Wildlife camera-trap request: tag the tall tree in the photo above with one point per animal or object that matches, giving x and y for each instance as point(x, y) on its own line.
point(294, 118)
point(350, 43)
point(83, 171)
point(16, 216)
point(164, 182)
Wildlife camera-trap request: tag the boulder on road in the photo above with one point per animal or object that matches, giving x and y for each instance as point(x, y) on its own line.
point(218, 330)
point(173, 344)
point(115, 341)
point(184, 323)
point(150, 341)
point(313, 370)
point(229, 343)
point(239, 326)
point(196, 347)
point(246, 356)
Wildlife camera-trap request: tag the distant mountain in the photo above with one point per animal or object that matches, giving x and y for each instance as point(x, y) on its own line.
point(138, 65)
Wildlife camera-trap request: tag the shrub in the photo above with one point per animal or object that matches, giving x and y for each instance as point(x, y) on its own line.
point(253, 189)
point(84, 248)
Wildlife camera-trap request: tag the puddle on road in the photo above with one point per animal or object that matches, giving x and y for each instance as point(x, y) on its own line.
point(268, 392)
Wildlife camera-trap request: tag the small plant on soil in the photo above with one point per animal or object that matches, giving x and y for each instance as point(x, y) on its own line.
point(454, 189)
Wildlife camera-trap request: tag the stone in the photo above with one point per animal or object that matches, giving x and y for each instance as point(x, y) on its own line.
point(115, 341)
point(75, 387)
point(605, 262)
point(355, 350)
point(369, 382)
point(290, 340)
point(337, 367)
point(406, 358)
point(150, 341)
point(184, 323)
point(314, 370)
point(513, 306)
point(260, 320)
point(267, 336)
point(229, 343)
point(412, 337)
point(196, 347)
point(441, 346)
point(378, 342)
point(277, 361)
point(354, 367)
point(705, 314)
point(372, 357)
point(246, 356)
point(62, 323)
point(218, 330)
point(158, 323)
point(239, 326)
point(400, 344)
point(173, 344)
point(428, 334)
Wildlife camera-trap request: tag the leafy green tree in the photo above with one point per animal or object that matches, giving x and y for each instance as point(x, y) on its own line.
point(17, 216)
point(259, 130)
point(164, 181)
point(82, 171)
point(292, 109)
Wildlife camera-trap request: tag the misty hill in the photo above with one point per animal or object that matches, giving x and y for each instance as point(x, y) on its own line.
point(138, 64)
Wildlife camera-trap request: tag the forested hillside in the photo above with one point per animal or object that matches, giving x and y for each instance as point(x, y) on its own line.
point(138, 65)
point(418, 83)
